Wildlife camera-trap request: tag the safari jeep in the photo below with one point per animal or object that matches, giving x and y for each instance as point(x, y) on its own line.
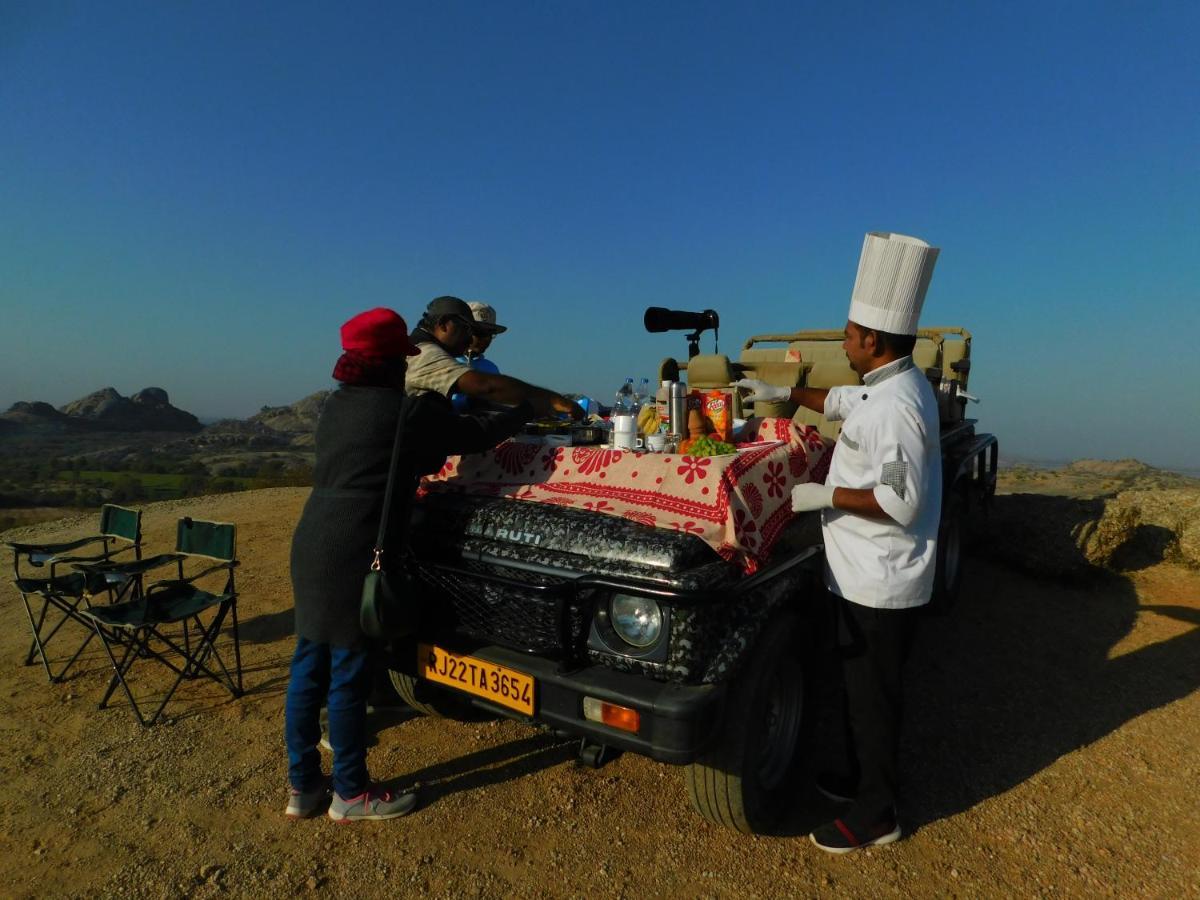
point(527, 613)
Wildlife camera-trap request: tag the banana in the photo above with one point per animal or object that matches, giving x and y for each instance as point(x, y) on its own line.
point(647, 420)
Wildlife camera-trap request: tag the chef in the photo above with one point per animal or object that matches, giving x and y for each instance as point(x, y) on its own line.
point(880, 507)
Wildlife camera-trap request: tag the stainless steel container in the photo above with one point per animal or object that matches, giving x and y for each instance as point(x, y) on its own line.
point(677, 402)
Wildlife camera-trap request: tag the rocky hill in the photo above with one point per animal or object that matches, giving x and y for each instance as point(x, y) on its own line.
point(299, 418)
point(104, 410)
point(1122, 515)
point(93, 423)
point(1093, 478)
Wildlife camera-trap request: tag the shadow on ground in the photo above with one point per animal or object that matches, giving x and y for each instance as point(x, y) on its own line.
point(493, 765)
point(1022, 671)
point(268, 627)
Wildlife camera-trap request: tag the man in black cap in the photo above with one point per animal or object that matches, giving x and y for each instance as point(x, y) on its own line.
point(445, 333)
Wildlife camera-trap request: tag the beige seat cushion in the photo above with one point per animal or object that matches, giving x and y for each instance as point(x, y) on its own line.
point(763, 354)
point(827, 374)
point(816, 351)
point(925, 354)
point(710, 370)
point(832, 374)
point(784, 374)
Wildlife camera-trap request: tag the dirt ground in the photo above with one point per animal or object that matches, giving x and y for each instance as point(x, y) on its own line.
point(1051, 750)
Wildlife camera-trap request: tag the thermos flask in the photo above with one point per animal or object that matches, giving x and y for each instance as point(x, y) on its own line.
point(677, 400)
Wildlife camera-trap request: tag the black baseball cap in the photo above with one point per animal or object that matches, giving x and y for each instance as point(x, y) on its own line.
point(448, 306)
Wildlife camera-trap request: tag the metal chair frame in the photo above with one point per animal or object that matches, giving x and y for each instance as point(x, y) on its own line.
point(140, 625)
point(71, 593)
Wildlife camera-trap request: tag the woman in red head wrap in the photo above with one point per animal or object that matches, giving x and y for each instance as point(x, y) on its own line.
point(332, 550)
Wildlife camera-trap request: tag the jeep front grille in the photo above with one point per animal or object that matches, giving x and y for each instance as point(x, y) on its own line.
point(538, 613)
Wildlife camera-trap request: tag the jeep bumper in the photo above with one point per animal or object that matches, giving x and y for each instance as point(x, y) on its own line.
point(676, 721)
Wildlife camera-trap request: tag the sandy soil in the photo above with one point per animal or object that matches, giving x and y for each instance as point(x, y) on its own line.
point(1051, 751)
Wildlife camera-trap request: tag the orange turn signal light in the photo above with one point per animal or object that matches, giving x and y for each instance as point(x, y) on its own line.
point(610, 714)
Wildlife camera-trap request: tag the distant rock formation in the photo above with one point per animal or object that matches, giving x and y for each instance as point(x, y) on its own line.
point(149, 409)
point(36, 415)
point(1091, 515)
point(299, 418)
point(231, 434)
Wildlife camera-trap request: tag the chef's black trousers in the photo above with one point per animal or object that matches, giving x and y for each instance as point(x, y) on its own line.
point(872, 645)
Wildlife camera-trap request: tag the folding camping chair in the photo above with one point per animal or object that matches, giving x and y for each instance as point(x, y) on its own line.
point(69, 592)
point(165, 623)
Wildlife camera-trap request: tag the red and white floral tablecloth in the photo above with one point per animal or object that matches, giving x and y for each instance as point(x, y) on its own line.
point(738, 504)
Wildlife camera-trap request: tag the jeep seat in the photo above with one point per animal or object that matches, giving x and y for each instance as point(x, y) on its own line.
point(826, 374)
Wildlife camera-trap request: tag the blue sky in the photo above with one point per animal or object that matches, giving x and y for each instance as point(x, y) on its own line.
point(196, 195)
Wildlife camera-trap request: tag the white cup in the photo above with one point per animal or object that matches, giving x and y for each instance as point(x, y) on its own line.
point(656, 443)
point(624, 424)
point(626, 440)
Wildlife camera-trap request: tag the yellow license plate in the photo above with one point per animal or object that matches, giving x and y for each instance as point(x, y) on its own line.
point(475, 676)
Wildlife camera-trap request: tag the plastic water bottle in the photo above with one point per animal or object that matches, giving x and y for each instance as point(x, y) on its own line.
point(644, 394)
point(624, 417)
point(626, 403)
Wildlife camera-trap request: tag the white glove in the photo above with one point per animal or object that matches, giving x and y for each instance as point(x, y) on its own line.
point(810, 496)
point(761, 391)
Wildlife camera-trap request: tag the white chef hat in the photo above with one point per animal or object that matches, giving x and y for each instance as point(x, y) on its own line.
point(893, 276)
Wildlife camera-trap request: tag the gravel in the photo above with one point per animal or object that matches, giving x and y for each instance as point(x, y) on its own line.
point(1051, 750)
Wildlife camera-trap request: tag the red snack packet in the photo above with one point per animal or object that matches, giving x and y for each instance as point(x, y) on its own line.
point(718, 408)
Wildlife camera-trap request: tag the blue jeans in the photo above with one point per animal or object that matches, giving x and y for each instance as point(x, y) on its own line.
point(322, 672)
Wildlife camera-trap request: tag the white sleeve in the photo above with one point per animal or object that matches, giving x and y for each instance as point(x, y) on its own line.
point(898, 458)
point(835, 409)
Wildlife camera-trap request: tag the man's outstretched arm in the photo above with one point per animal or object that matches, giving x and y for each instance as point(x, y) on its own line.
point(506, 389)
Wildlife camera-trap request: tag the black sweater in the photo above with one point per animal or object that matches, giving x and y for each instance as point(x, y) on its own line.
point(333, 543)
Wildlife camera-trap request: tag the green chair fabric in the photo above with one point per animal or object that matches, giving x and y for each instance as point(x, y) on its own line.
point(216, 540)
point(175, 621)
point(120, 531)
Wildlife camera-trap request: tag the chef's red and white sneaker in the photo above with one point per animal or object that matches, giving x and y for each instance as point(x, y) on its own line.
point(838, 837)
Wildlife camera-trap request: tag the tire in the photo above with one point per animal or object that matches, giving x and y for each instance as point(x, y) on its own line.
point(745, 782)
point(948, 576)
point(433, 701)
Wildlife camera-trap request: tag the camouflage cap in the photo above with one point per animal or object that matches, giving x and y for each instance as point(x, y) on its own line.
point(485, 318)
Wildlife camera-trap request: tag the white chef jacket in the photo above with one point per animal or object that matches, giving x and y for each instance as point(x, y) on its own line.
point(890, 443)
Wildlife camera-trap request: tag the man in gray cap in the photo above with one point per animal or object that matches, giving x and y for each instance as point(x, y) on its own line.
point(445, 332)
point(880, 507)
point(486, 328)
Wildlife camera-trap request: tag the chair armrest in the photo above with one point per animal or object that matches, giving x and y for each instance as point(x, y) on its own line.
point(47, 551)
point(99, 559)
point(176, 582)
point(129, 567)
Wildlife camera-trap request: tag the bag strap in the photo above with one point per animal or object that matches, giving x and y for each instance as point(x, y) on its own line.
point(376, 564)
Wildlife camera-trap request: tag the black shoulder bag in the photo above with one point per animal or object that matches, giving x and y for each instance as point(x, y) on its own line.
point(391, 606)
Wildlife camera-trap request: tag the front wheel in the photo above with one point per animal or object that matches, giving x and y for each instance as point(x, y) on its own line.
point(745, 781)
point(431, 700)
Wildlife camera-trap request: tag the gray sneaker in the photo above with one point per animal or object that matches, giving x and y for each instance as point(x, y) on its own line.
point(306, 804)
point(375, 803)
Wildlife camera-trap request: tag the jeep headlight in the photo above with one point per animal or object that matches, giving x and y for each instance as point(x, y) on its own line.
point(637, 620)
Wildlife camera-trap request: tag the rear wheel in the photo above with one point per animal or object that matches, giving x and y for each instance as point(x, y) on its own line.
point(744, 781)
point(948, 577)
